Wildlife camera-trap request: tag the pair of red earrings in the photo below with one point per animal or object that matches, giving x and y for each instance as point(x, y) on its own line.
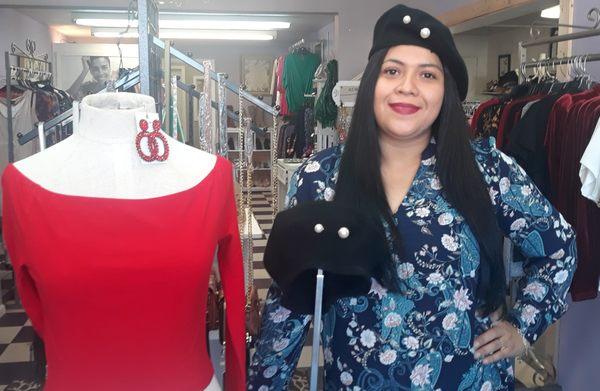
point(152, 142)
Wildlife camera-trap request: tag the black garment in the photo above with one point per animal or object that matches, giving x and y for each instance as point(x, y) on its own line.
point(285, 141)
point(309, 126)
point(526, 142)
point(300, 133)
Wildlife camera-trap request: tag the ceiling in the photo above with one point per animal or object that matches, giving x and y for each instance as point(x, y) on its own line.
point(303, 25)
point(523, 22)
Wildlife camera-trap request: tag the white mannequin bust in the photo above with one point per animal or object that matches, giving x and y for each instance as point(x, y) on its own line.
point(100, 158)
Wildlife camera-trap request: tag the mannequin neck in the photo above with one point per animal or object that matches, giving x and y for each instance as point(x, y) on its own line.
point(109, 118)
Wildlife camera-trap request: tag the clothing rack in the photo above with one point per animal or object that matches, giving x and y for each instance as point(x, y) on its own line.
point(593, 15)
point(192, 93)
point(28, 62)
point(514, 270)
point(469, 107)
point(562, 60)
point(66, 117)
point(296, 45)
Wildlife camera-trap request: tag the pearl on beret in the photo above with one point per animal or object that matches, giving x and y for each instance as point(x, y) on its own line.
point(406, 19)
point(319, 228)
point(425, 33)
point(343, 233)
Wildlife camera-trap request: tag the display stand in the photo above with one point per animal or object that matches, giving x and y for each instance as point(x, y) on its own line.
point(314, 364)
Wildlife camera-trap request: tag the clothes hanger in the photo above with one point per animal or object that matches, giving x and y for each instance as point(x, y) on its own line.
point(590, 80)
point(571, 85)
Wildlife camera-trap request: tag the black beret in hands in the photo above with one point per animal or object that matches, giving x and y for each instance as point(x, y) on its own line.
point(349, 246)
point(402, 25)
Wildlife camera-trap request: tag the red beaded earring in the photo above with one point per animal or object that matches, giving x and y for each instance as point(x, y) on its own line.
point(152, 143)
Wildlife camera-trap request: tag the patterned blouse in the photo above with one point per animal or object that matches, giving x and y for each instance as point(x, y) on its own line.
point(421, 338)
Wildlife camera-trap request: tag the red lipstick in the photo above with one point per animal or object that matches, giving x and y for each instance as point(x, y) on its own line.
point(404, 108)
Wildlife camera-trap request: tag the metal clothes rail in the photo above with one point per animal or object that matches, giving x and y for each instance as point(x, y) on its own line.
point(213, 75)
point(66, 117)
point(30, 57)
point(593, 16)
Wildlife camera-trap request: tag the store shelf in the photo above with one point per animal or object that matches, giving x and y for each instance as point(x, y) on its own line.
point(259, 157)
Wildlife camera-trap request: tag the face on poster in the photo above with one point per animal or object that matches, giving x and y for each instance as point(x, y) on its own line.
point(92, 64)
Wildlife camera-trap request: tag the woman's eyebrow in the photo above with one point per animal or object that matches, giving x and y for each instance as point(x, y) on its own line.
point(425, 65)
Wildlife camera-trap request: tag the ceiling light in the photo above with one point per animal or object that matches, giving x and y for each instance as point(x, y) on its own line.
point(101, 22)
point(191, 34)
point(186, 21)
point(551, 13)
point(114, 34)
point(218, 35)
point(223, 24)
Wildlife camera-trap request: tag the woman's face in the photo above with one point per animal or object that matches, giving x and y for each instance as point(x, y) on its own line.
point(409, 92)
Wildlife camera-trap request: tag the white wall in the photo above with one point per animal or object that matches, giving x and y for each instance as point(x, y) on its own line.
point(481, 55)
point(16, 27)
point(589, 45)
point(579, 347)
point(506, 42)
point(579, 343)
point(474, 49)
point(328, 35)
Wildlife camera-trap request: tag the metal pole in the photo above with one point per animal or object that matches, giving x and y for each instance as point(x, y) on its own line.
point(314, 366)
point(564, 60)
point(144, 46)
point(11, 147)
point(190, 102)
point(213, 75)
point(222, 148)
point(562, 38)
point(522, 60)
point(167, 77)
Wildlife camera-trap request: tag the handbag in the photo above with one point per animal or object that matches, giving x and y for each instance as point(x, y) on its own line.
point(212, 306)
point(252, 316)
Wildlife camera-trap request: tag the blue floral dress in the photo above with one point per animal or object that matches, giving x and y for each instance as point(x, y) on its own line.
point(421, 338)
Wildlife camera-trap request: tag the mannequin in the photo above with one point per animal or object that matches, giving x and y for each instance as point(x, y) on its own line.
point(158, 220)
point(107, 127)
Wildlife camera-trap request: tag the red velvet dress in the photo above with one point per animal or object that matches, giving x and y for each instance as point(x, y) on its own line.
point(117, 288)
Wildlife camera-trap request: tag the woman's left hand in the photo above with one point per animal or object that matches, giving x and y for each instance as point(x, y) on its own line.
point(501, 341)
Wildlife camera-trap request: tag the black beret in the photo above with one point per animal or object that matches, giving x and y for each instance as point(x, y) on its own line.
point(344, 242)
point(402, 25)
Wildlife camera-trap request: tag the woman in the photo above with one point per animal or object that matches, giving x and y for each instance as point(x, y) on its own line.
point(438, 320)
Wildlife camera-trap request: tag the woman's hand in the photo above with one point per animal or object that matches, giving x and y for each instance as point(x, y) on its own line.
point(85, 64)
point(501, 341)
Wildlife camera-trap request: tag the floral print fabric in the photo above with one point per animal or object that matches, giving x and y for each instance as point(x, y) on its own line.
point(421, 337)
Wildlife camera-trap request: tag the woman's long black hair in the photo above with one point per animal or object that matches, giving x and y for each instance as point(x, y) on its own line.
point(360, 184)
